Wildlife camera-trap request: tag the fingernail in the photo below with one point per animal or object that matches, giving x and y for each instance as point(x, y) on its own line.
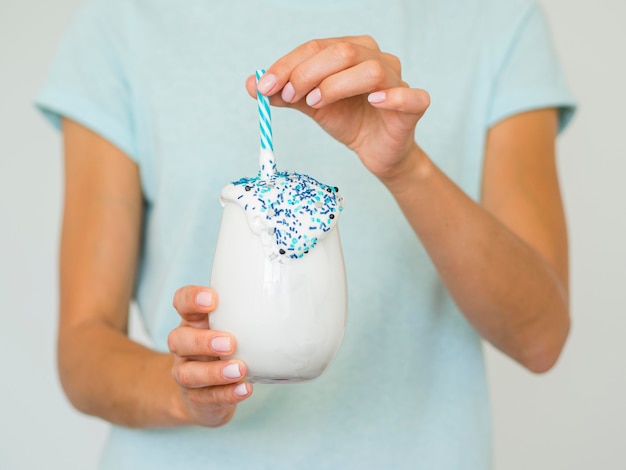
point(314, 97)
point(288, 93)
point(241, 390)
point(266, 83)
point(377, 97)
point(231, 371)
point(221, 344)
point(204, 299)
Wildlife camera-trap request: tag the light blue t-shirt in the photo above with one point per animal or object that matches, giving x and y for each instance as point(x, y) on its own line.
point(164, 81)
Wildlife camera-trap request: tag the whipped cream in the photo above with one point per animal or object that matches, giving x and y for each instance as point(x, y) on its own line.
point(291, 212)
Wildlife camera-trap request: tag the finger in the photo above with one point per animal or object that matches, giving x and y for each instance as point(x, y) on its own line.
point(363, 78)
point(330, 65)
point(279, 73)
point(276, 100)
point(188, 342)
point(193, 304)
point(198, 374)
point(251, 86)
point(393, 62)
point(219, 396)
point(413, 101)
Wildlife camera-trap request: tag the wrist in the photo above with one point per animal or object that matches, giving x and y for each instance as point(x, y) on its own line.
point(413, 170)
point(168, 407)
point(177, 410)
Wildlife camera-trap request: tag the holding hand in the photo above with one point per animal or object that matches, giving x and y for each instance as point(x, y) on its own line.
point(356, 93)
point(210, 388)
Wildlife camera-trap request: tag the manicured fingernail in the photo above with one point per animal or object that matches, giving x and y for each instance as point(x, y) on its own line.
point(204, 299)
point(231, 371)
point(266, 83)
point(288, 93)
point(377, 97)
point(241, 390)
point(314, 97)
point(221, 344)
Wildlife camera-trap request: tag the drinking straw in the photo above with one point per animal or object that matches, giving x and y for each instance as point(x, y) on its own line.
point(266, 158)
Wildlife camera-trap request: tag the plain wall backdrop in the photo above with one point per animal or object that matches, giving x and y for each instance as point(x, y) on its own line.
point(572, 418)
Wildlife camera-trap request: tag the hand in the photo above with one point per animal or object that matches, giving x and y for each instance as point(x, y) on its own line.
point(356, 93)
point(210, 388)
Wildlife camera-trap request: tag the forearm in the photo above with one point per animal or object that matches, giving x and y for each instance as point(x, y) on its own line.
point(505, 288)
point(103, 372)
point(106, 374)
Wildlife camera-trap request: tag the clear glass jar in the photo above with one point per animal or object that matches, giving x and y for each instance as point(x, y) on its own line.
point(287, 315)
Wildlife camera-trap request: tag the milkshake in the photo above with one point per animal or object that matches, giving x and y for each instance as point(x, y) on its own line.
point(279, 273)
point(278, 269)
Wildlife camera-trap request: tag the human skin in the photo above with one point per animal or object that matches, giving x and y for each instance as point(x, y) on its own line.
point(102, 371)
point(503, 259)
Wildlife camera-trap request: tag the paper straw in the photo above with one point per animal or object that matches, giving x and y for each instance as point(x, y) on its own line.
point(266, 159)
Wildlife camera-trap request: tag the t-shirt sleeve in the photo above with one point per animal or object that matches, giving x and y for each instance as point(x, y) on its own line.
point(88, 80)
point(530, 76)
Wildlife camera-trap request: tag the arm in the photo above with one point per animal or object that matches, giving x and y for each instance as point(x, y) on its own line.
point(504, 261)
point(102, 371)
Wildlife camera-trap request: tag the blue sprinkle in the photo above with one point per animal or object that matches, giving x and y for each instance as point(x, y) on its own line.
point(287, 200)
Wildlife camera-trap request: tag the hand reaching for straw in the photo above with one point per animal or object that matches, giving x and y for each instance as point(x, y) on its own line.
point(356, 93)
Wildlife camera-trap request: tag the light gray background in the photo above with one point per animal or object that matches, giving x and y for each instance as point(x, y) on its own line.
point(573, 418)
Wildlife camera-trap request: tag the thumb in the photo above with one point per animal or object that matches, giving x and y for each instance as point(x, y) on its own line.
point(193, 304)
point(413, 101)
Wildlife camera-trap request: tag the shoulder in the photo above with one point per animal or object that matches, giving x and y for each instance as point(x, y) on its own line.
point(503, 24)
point(105, 10)
point(506, 17)
point(485, 20)
point(101, 17)
point(104, 27)
point(496, 14)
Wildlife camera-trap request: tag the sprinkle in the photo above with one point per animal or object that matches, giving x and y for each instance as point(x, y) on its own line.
point(297, 209)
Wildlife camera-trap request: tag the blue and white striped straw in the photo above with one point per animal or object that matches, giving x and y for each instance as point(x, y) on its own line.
point(267, 163)
point(265, 116)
